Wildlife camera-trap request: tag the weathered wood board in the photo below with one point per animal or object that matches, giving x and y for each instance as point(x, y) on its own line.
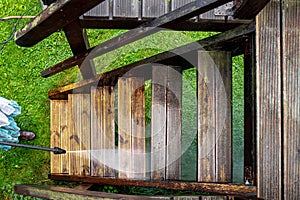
point(214, 116)
point(291, 97)
point(64, 135)
point(269, 104)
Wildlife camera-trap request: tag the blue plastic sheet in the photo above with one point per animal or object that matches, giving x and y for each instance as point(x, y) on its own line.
point(9, 131)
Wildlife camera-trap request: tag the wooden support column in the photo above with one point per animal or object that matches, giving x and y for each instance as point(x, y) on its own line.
point(166, 123)
point(249, 111)
point(131, 128)
point(79, 43)
point(291, 97)
point(269, 102)
point(214, 116)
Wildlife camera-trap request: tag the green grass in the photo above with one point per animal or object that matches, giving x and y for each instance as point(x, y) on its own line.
point(21, 81)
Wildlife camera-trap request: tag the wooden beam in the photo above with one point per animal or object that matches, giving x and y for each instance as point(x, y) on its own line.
point(250, 8)
point(226, 189)
point(50, 192)
point(55, 17)
point(78, 42)
point(183, 13)
point(224, 40)
point(188, 25)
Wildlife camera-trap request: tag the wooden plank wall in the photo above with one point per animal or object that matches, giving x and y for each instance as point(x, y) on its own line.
point(166, 123)
point(55, 135)
point(278, 100)
point(214, 116)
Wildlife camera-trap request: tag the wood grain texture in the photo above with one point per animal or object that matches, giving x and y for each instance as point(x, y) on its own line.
point(65, 135)
point(216, 188)
point(214, 116)
point(291, 97)
point(55, 137)
point(269, 104)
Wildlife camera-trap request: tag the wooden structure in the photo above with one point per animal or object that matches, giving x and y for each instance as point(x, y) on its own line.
point(106, 111)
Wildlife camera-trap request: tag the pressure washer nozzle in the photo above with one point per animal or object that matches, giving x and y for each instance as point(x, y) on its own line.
point(57, 150)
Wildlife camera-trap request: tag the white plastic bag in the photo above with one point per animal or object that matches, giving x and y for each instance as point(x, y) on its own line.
point(3, 120)
point(5, 107)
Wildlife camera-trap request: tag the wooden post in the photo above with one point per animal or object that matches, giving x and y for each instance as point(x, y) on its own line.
point(214, 116)
point(291, 97)
point(249, 111)
point(269, 104)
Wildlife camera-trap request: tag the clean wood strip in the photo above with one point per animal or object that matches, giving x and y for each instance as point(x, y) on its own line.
point(85, 133)
point(108, 122)
point(268, 90)
point(138, 132)
point(74, 148)
point(55, 135)
point(97, 143)
point(291, 95)
point(174, 123)
point(124, 127)
point(65, 135)
point(158, 123)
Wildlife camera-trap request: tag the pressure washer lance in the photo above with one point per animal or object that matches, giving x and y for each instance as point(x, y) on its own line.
point(55, 150)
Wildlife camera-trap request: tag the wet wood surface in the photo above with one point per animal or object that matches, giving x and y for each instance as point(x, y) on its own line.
point(227, 189)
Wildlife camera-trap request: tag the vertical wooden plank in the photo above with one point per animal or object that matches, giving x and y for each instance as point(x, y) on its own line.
point(55, 135)
point(269, 104)
point(206, 118)
point(223, 116)
point(214, 116)
point(65, 135)
point(158, 123)
point(291, 97)
point(85, 134)
point(126, 8)
point(97, 143)
point(124, 127)
point(108, 122)
point(179, 3)
point(74, 135)
point(174, 122)
point(138, 132)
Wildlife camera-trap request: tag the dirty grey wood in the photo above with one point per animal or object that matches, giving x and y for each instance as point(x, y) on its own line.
point(269, 103)
point(155, 8)
point(291, 97)
point(101, 10)
point(126, 8)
